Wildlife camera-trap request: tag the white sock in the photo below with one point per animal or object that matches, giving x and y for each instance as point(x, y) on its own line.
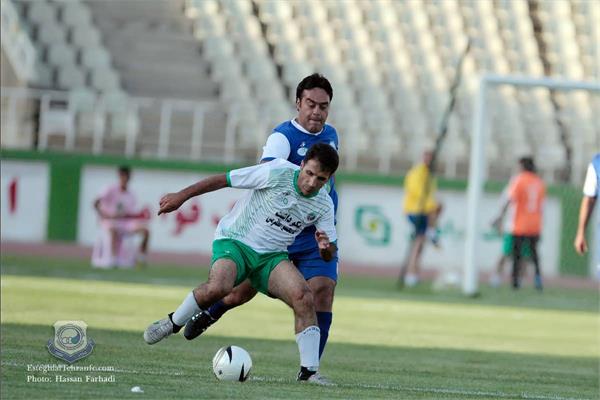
point(308, 345)
point(186, 310)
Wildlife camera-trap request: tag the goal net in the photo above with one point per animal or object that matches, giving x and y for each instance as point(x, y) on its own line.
point(554, 121)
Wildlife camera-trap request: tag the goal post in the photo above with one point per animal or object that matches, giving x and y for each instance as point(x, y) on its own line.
point(478, 162)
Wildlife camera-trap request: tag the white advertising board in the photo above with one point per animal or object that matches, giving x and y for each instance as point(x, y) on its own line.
point(190, 229)
point(24, 200)
point(374, 231)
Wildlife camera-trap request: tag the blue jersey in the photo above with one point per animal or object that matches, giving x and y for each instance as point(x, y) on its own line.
point(299, 140)
point(596, 166)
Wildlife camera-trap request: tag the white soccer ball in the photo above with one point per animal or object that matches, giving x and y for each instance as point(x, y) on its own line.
point(232, 363)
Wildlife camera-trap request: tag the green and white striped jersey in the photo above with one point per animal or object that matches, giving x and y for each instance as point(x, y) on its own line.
point(275, 211)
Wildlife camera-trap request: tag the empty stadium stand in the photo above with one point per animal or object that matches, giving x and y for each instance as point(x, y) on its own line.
point(208, 79)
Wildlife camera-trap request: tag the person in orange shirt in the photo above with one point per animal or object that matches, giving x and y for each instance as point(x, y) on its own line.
point(523, 204)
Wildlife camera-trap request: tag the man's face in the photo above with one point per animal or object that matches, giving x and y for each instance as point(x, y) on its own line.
point(427, 157)
point(123, 179)
point(311, 178)
point(313, 109)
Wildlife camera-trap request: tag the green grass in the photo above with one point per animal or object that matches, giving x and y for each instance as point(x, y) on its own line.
point(384, 343)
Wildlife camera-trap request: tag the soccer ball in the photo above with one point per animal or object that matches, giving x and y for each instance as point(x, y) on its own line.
point(232, 363)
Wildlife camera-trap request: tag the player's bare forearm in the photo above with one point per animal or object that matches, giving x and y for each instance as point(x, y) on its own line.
point(172, 201)
point(98, 208)
point(585, 211)
point(328, 253)
point(587, 206)
point(498, 220)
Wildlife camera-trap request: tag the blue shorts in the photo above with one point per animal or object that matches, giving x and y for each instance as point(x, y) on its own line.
point(419, 222)
point(310, 264)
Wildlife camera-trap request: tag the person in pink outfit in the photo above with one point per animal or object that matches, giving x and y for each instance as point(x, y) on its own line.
point(120, 217)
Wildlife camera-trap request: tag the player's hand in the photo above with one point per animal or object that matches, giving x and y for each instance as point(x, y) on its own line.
point(322, 239)
point(497, 224)
point(170, 202)
point(105, 215)
point(580, 244)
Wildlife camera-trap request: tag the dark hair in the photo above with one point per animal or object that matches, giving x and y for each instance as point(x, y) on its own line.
point(315, 80)
point(124, 169)
point(325, 154)
point(527, 164)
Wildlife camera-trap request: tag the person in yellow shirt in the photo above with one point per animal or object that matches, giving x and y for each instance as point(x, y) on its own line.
point(423, 211)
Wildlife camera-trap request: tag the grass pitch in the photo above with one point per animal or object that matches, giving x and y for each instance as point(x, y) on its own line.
point(384, 343)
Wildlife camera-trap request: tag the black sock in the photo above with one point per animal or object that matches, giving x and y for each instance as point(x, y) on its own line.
point(305, 373)
point(176, 328)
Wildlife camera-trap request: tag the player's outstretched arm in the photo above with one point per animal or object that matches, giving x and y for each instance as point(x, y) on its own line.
point(172, 201)
point(497, 222)
point(587, 206)
point(326, 248)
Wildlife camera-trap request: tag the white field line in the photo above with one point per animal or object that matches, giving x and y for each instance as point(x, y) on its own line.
point(398, 388)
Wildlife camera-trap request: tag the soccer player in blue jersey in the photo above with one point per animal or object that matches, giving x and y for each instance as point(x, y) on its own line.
point(290, 141)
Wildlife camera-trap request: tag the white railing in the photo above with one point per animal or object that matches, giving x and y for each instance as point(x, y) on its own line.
point(59, 115)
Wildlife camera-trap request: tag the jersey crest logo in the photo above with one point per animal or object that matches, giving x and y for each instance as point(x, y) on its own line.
point(302, 149)
point(311, 217)
point(286, 200)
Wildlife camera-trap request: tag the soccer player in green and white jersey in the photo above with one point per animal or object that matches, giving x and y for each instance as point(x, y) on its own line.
point(252, 240)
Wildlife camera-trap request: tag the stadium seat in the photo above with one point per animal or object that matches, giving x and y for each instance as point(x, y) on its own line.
point(124, 124)
point(75, 13)
point(61, 54)
point(104, 79)
point(45, 75)
point(320, 54)
point(85, 36)
point(335, 73)
point(278, 31)
point(208, 25)
point(216, 47)
point(274, 10)
point(95, 58)
point(49, 32)
point(244, 28)
point(83, 102)
point(247, 129)
point(267, 89)
point(257, 69)
point(70, 76)
point(56, 118)
point(226, 68)
point(237, 8)
point(294, 72)
point(123, 119)
point(276, 111)
point(288, 52)
point(114, 101)
point(233, 90)
point(207, 7)
point(251, 48)
point(41, 12)
point(346, 12)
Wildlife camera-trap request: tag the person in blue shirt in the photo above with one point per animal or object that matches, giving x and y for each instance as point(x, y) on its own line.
point(290, 141)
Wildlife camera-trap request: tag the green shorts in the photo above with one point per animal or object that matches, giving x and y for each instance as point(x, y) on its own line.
point(507, 246)
point(250, 264)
